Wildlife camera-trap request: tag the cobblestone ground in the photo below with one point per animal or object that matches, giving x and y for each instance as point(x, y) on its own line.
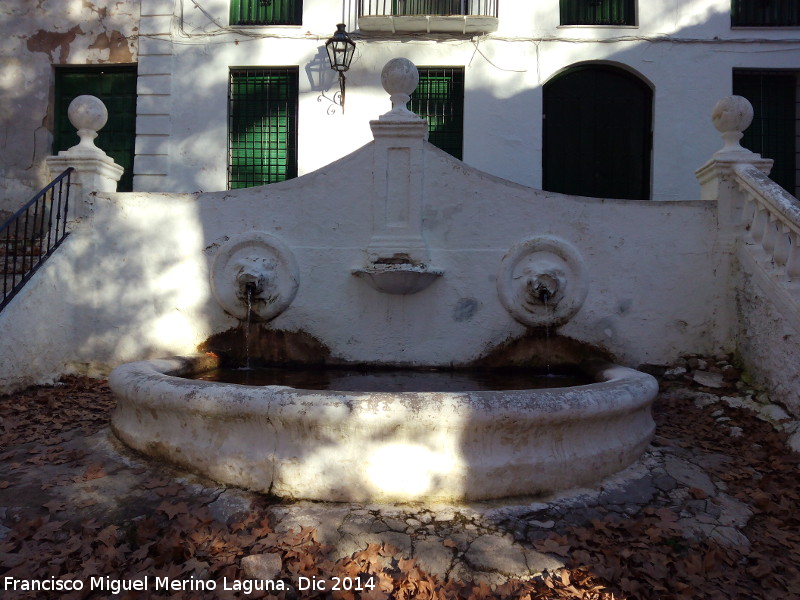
point(709, 511)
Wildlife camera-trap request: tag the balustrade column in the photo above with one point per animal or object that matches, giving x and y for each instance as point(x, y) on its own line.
point(781, 253)
point(768, 242)
point(758, 225)
point(793, 259)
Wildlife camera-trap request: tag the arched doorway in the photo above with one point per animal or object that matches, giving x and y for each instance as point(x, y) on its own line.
point(597, 133)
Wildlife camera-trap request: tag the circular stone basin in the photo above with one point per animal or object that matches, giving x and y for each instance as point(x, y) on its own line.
point(384, 446)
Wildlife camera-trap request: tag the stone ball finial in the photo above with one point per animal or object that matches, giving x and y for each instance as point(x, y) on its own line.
point(400, 78)
point(731, 116)
point(87, 114)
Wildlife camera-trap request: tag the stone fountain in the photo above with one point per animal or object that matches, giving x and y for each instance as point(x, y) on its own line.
point(395, 445)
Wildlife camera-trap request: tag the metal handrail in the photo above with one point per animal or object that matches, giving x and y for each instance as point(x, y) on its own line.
point(28, 238)
point(371, 8)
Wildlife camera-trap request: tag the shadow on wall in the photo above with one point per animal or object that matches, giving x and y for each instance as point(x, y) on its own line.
point(501, 80)
point(206, 223)
point(117, 318)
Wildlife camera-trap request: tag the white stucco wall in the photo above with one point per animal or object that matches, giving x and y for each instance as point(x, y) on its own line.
point(685, 50)
point(114, 291)
point(768, 330)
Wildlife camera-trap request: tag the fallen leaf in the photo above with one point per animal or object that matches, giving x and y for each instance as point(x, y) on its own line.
point(173, 509)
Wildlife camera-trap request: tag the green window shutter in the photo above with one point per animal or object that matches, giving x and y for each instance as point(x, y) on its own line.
point(598, 12)
point(772, 133)
point(116, 87)
point(439, 98)
point(262, 126)
point(765, 13)
point(266, 12)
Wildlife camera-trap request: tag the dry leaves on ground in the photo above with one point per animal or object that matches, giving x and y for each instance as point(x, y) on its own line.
point(642, 557)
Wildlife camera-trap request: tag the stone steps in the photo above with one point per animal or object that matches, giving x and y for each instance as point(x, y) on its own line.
point(27, 253)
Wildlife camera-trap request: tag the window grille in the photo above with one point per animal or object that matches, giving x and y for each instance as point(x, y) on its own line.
point(266, 12)
point(262, 126)
point(773, 130)
point(765, 13)
point(598, 12)
point(116, 87)
point(439, 97)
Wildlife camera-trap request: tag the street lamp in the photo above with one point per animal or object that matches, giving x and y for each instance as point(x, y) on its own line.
point(340, 50)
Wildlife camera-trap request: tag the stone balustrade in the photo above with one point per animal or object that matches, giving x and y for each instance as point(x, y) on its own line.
point(771, 217)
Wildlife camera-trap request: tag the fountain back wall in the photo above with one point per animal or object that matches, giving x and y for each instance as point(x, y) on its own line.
point(136, 277)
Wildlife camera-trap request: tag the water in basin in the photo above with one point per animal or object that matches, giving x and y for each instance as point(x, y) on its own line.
point(399, 380)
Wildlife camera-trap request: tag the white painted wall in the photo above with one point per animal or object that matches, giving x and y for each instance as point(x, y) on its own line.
point(132, 281)
point(685, 49)
point(768, 334)
point(118, 288)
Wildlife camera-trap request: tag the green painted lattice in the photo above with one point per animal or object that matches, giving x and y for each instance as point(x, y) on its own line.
point(598, 12)
point(262, 124)
point(439, 97)
point(266, 12)
point(765, 13)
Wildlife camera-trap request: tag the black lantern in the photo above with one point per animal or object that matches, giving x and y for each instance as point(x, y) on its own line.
point(340, 50)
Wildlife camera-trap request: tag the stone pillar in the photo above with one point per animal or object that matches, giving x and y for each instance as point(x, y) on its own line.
point(95, 170)
point(398, 172)
point(398, 260)
point(731, 116)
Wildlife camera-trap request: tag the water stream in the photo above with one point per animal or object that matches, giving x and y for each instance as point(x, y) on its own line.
point(247, 329)
point(546, 335)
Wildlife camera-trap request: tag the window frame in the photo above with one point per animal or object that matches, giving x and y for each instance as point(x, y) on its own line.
point(565, 20)
point(275, 167)
point(773, 132)
point(117, 137)
point(244, 13)
point(429, 105)
point(748, 13)
point(598, 145)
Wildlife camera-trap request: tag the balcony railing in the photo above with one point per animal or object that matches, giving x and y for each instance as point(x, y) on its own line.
point(432, 16)
point(402, 8)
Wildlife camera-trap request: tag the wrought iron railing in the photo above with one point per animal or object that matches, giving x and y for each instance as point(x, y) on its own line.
point(32, 234)
point(367, 8)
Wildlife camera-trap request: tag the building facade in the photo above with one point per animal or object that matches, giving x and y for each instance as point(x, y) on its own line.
point(586, 97)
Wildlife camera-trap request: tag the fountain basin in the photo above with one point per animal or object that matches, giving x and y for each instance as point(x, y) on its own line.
point(384, 446)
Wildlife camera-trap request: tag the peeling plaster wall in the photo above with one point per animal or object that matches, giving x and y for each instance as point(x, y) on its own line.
point(34, 36)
